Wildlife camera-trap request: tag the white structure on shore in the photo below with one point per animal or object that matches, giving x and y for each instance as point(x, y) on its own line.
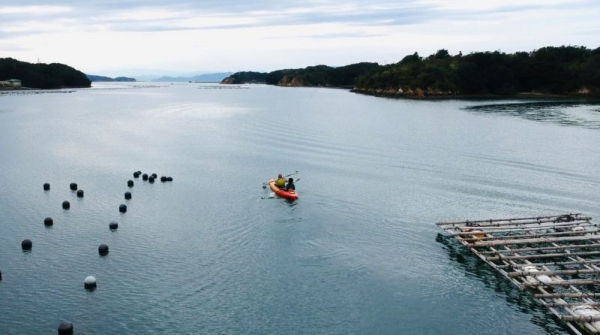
point(11, 83)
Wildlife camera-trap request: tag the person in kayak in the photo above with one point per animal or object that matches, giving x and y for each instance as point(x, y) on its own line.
point(280, 182)
point(290, 185)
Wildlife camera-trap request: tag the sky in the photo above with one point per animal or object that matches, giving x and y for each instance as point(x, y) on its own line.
point(181, 37)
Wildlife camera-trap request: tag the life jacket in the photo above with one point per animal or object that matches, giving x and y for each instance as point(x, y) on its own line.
point(280, 182)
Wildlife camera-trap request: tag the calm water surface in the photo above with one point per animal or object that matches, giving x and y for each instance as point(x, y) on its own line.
point(211, 253)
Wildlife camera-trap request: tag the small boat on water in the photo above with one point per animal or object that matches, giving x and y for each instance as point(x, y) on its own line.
point(290, 195)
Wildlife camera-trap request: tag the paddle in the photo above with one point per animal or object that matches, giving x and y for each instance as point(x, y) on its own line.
point(291, 174)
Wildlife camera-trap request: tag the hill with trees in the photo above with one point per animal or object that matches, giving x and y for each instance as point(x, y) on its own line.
point(43, 76)
point(93, 78)
point(320, 75)
point(565, 70)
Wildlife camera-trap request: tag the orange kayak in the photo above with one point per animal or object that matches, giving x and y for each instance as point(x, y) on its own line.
point(290, 195)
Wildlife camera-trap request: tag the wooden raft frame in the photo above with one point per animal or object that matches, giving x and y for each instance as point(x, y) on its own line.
point(558, 257)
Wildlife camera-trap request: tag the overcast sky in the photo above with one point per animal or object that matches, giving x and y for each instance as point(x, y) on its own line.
point(133, 37)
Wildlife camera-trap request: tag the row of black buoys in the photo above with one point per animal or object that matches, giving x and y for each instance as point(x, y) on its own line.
point(65, 328)
point(26, 244)
point(165, 179)
point(66, 205)
point(73, 187)
point(103, 249)
point(46, 187)
point(123, 208)
point(48, 222)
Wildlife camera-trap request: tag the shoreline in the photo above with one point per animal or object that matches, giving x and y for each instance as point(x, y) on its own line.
point(422, 95)
point(40, 89)
point(486, 96)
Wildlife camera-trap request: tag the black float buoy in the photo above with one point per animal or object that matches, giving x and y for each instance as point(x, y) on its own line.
point(154, 175)
point(123, 208)
point(65, 328)
point(163, 179)
point(127, 195)
point(26, 244)
point(169, 178)
point(66, 205)
point(48, 222)
point(0, 275)
point(130, 183)
point(136, 174)
point(151, 180)
point(89, 283)
point(145, 176)
point(113, 225)
point(103, 249)
point(80, 194)
point(46, 187)
point(73, 187)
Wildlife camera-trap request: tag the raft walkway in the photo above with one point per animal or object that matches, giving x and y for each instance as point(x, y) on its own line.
point(556, 257)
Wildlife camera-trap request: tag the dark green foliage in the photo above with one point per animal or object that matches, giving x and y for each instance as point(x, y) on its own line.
point(247, 77)
point(320, 75)
point(553, 70)
point(44, 76)
point(549, 70)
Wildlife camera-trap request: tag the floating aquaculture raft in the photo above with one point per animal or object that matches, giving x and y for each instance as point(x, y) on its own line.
point(558, 257)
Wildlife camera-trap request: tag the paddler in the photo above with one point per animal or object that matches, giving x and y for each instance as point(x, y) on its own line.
point(290, 185)
point(280, 182)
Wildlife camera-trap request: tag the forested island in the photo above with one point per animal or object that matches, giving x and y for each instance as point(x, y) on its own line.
point(93, 78)
point(565, 70)
point(43, 76)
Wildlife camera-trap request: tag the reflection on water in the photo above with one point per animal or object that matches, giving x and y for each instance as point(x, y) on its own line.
point(568, 113)
point(520, 300)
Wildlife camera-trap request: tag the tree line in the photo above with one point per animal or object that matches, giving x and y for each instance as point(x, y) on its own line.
point(560, 70)
point(42, 76)
point(320, 75)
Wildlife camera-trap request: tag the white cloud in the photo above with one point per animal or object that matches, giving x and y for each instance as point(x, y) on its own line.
point(33, 10)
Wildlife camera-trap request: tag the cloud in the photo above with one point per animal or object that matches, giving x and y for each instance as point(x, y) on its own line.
point(207, 15)
point(152, 15)
point(177, 34)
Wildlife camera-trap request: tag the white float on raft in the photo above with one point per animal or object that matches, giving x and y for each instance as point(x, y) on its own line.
point(588, 311)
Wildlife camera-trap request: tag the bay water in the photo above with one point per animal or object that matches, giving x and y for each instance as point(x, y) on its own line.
point(212, 252)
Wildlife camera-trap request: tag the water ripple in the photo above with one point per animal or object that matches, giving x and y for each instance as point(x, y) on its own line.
point(567, 113)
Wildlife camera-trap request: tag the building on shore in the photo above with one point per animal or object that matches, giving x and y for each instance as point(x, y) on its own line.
point(10, 84)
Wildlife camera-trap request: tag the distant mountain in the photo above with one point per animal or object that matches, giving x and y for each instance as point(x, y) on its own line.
point(202, 78)
point(102, 78)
